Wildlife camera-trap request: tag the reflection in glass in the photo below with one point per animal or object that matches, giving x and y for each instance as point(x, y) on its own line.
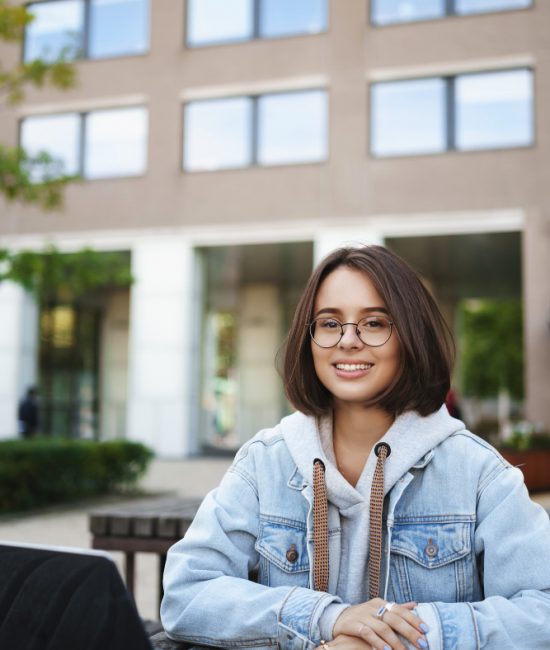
point(408, 117)
point(215, 21)
point(480, 6)
point(292, 127)
point(286, 17)
point(118, 27)
point(494, 110)
point(217, 134)
point(57, 135)
point(57, 30)
point(116, 143)
point(385, 12)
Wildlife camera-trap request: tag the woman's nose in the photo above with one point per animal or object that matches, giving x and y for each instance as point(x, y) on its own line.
point(350, 337)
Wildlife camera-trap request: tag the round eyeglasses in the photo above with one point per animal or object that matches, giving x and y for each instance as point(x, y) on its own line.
point(373, 331)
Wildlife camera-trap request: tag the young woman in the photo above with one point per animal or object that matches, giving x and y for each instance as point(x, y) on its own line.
point(371, 517)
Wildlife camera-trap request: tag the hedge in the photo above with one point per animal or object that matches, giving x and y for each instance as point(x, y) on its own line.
point(44, 471)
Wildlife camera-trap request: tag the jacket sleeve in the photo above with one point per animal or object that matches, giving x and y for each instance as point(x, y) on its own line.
point(512, 546)
point(208, 599)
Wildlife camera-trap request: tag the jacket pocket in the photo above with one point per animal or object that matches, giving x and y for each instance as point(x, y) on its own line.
point(283, 553)
point(432, 561)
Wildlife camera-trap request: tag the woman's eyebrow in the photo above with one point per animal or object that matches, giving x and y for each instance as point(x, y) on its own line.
point(365, 310)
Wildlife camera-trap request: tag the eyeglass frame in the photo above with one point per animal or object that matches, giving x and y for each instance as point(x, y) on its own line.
point(327, 347)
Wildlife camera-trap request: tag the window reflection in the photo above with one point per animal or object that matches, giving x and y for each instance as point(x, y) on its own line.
point(472, 111)
point(217, 134)
point(55, 31)
point(479, 6)
point(273, 129)
point(211, 22)
point(384, 12)
point(494, 110)
point(387, 12)
point(57, 135)
point(408, 117)
point(214, 21)
point(108, 37)
point(116, 143)
point(87, 28)
point(288, 17)
point(292, 128)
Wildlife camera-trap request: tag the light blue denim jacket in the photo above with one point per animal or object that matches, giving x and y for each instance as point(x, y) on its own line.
point(462, 538)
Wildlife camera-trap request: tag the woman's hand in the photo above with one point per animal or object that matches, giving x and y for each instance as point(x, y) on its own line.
point(380, 632)
point(345, 642)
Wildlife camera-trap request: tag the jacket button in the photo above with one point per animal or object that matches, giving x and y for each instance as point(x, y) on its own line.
point(292, 554)
point(431, 549)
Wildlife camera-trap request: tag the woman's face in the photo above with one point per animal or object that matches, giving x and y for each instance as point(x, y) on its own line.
point(353, 371)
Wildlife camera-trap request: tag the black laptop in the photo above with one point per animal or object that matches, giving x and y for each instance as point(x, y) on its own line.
point(65, 599)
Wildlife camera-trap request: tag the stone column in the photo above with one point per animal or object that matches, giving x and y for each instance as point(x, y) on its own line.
point(161, 346)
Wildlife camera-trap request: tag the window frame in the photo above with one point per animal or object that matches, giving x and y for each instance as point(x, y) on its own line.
point(81, 141)
point(255, 36)
point(450, 109)
point(449, 11)
point(253, 131)
point(86, 26)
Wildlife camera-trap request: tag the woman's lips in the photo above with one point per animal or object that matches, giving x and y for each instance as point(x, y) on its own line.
point(352, 370)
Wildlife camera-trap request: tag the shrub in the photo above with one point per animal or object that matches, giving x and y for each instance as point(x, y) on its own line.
point(43, 471)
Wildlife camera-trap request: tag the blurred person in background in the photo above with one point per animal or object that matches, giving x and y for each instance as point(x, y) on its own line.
point(28, 414)
point(372, 517)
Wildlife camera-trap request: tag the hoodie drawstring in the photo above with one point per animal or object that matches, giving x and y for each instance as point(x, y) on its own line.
point(320, 527)
point(382, 451)
point(320, 523)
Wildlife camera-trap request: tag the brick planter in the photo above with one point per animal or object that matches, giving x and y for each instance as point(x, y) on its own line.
point(535, 465)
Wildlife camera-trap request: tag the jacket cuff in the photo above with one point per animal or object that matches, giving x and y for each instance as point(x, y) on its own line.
point(457, 628)
point(299, 618)
point(427, 613)
point(328, 619)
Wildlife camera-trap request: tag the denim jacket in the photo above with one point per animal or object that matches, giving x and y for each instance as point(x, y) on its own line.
point(462, 538)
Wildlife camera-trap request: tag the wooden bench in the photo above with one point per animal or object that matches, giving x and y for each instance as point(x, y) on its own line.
point(145, 526)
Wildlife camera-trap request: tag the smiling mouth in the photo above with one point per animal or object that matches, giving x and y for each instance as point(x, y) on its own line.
point(353, 367)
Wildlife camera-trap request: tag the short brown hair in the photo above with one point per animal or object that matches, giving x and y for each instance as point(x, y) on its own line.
point(426, 344)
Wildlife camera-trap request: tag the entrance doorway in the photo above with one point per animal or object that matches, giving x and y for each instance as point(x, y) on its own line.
point(249, 293)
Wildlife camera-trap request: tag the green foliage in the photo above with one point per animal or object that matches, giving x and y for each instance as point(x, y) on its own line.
point(491, 344)
point(55, 277)
point(521, 441)
point(30, 179)
point(43, 471)
point(17, 170)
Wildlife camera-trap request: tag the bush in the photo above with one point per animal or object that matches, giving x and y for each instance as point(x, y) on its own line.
point(43, 471)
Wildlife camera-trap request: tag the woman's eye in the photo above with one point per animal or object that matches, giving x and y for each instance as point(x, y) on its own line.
point(373, 323)
point(329, 324)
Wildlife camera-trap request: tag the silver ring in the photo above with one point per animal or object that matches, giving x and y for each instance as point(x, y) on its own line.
point(381, 611)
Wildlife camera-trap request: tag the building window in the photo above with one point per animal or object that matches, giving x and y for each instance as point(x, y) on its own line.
point(100, 144)
point(211, 22)
point(489, 110)
point(387, 12)
point(91, 29)
point(272, 129)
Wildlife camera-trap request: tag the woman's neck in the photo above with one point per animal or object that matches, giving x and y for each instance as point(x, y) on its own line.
point(355, 430)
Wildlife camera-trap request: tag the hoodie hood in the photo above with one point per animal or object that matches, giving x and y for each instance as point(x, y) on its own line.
point(411, 439)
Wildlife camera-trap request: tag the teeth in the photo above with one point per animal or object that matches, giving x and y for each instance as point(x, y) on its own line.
point(350, 367)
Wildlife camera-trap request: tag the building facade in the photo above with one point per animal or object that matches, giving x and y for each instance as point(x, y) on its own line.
point(227, 145)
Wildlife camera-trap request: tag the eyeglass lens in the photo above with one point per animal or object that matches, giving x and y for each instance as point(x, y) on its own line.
point(372, 330)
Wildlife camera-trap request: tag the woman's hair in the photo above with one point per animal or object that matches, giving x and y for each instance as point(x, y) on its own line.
point(425, 341)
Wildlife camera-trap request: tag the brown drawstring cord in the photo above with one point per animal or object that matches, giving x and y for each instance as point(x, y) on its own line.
point(320, 523)
point(320, 527)
point(382, 451)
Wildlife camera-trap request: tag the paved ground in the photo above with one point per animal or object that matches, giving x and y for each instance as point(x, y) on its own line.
point(68, 526)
